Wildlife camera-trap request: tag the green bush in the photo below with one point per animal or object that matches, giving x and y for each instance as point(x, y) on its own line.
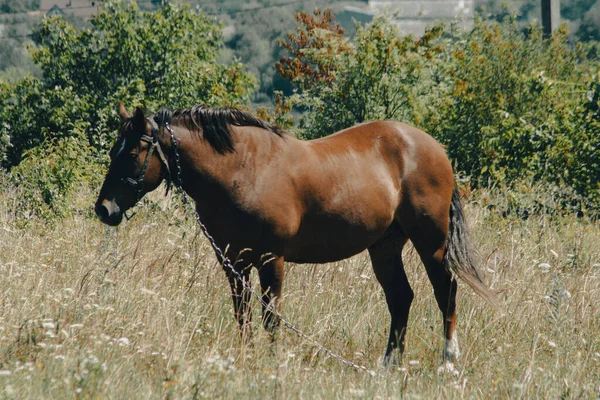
point(518, 108)
point(50, 174)
point(50, 126)
point(501, 97)
point(382, 75)
point(513, 108)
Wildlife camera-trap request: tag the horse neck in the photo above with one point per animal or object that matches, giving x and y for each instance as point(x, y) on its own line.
point(202, 168)
point(205, 170)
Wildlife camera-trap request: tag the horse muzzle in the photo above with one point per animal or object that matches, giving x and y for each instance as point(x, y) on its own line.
point(109, 212)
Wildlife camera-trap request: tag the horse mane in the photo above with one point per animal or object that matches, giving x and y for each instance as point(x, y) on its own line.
point(214, 123)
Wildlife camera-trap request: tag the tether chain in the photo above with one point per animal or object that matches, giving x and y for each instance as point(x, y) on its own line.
point(227, 264)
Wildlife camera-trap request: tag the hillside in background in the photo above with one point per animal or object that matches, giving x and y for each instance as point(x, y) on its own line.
point(252, 28)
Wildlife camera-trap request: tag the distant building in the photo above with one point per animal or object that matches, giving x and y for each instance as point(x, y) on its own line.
point(412, 16)
point(55, 11)
point(79, 8)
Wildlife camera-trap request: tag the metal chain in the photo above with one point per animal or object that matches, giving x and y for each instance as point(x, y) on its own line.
point(227, 264)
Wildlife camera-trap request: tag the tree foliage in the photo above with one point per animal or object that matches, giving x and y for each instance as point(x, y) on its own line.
point(162, 58)
point(510, 105)
point(379, 76)
point(518, 108)
point(11, 6)
point(500, 102)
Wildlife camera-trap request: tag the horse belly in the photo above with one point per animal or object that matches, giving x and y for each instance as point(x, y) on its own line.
point(321, 240)
point(350, 200)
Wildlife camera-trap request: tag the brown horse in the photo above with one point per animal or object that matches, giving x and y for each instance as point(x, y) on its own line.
point(373, 186)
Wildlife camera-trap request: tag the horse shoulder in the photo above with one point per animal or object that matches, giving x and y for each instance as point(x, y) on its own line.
point(267, 188)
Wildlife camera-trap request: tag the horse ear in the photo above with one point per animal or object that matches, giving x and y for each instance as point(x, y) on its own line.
point(139, 121)
point(123, 112)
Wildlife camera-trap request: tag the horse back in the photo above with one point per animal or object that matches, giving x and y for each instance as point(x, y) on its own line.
point(351, 186)
point(384, 149)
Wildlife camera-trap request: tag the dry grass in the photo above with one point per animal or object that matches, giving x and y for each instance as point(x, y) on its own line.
point(144, 312)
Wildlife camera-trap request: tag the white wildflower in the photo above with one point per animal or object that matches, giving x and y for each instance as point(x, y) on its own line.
point(545, 267)
point(357, 392)
point(48, 325)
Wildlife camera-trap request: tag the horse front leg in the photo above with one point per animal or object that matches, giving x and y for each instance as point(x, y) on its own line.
point(271, 273)
point(241, 295)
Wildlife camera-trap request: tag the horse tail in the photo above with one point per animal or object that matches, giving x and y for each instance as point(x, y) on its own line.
point(458, 257)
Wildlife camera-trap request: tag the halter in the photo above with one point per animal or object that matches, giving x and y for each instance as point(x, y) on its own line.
point(138, 183)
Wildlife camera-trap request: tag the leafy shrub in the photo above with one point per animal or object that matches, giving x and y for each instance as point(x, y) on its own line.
point(168, 57)
point(163, 58)
point(512, 107)
point(381, 76)
point(517, 109)
point(502, 94)
point(48, 176)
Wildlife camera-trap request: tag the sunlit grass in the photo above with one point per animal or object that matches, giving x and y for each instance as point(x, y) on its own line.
point(144, 311)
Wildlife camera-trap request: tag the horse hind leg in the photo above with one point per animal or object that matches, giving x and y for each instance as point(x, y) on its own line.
point(386, 257)
point(444, 289)
point(428, 235)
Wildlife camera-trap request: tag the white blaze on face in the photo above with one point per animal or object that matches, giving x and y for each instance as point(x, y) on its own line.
point(123, 145)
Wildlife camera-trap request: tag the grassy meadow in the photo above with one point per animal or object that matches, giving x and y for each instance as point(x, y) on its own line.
point(144, 311)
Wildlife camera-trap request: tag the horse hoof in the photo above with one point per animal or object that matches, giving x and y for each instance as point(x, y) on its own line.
point(392, 361)
point(448, 368)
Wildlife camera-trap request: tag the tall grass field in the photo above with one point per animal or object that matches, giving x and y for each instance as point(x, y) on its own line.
point(143, 311)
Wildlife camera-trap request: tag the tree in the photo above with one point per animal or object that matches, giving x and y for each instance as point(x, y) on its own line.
point(162, 58)
point(590, 24)
point(11, 6)
point(511, 106)
point(381, 76)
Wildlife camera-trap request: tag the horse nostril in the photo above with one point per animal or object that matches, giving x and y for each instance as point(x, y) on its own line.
point(108, 212)
point(102, 212)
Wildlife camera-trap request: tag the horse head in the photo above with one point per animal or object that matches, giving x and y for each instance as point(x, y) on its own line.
point(138, 166)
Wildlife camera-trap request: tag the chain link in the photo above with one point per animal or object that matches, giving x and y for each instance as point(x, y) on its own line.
point(227, 264)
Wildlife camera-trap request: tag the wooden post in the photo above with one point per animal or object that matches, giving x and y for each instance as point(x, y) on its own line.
point(550, 16)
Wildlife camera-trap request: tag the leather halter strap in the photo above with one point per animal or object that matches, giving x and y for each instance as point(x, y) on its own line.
point(154, 144)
